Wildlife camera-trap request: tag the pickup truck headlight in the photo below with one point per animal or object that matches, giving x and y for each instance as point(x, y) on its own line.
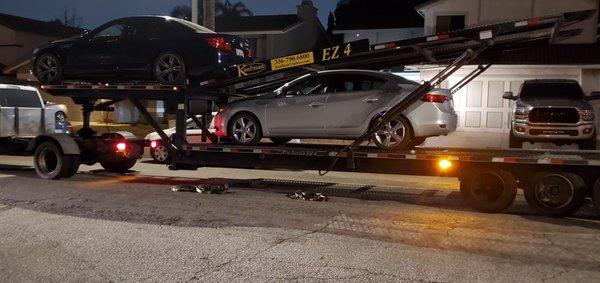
point(521, 113)
point(586, 115)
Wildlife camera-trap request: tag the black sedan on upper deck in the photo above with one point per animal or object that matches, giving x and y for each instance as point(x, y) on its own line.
point(163, 49)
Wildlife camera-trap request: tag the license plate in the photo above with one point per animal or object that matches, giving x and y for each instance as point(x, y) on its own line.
point(239, 52)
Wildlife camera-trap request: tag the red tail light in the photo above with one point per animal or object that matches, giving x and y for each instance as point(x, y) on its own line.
point(248, 53)
point(434, 98)
point(153, 144)
point(121, 146)
point(219, 43)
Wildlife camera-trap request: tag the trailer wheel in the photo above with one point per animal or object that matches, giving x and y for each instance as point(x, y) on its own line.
point(556, 194)
point(119, 166)
point(596, 195)
point(50, 163)
point(489, 191)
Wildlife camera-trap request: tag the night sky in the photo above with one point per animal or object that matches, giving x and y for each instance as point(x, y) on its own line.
point(96, 12)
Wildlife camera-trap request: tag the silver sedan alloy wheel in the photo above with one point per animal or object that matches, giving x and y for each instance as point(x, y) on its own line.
point(244, 130)
point(392, 134)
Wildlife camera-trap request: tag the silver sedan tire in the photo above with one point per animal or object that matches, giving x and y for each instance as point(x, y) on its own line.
point(244, 129)
point(397, 134)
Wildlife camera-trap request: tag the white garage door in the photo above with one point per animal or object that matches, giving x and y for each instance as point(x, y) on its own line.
point(480, 106)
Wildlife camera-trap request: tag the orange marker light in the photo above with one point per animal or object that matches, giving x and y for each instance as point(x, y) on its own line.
point(444, 164)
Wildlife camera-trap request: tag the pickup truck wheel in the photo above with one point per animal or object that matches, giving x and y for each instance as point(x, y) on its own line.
point(51, 164)
point(589, 144)
point(555, 194)
point(514, 142)
point(489, 191)
point(119, 166)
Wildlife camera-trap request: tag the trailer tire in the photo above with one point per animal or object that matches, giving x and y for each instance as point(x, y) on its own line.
point(120, 166)
point(51, 164)
point(556, 194)
point(489, 191)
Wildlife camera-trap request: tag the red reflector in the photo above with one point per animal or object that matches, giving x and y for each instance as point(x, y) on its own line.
point(390, 45)
point(153, 144)
point(532, 22)
point(434, 98)
point(121, 146)
point(442, 126)
point(219, 43)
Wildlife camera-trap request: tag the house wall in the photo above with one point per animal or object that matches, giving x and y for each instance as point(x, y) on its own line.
point(376, 36)
point(481, 12)
point(7, 36)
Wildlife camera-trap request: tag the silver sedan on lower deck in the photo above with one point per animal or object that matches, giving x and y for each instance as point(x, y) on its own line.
point(339, 104)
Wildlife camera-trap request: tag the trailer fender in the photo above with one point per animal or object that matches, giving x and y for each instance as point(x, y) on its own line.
point(65, 142)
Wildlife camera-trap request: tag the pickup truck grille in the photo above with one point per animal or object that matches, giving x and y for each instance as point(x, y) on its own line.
point(554, 115)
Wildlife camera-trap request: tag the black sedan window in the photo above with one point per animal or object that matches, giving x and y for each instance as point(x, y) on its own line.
point(117, 30)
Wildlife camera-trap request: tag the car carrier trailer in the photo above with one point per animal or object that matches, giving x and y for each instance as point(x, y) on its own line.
point(556, 183)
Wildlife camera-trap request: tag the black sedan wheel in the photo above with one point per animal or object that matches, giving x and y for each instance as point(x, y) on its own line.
point(48, 69)
point(169, 69)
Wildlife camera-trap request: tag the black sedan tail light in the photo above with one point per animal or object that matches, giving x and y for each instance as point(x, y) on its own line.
point(219, 43)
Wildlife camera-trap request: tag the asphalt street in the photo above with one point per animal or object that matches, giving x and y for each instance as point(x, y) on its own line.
point(105, 227)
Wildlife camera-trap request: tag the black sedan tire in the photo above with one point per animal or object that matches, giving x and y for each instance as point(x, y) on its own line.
point(169, 69)
point(48, 69)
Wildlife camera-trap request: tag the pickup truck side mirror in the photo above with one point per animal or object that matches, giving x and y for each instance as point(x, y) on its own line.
point(509, 95)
